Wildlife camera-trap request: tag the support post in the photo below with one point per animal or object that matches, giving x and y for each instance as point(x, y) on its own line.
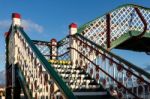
point(108, 30)
point(8, 69)
point(10, 60)
point(73, 53)
point(53, 50)
point(17, 88)
point(16, 21)
point(8, 82)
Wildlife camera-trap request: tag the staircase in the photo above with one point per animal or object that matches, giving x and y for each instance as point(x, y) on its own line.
point(36, 76)
point(80, 66)
point(78, 80)
point(81, 83)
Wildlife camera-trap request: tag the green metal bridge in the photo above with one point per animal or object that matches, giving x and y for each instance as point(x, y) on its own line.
point(80, 66)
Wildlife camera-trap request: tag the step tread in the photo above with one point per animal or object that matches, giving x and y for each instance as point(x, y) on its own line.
point(90, 93)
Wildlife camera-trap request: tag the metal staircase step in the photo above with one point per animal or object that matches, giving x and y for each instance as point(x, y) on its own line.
point(72, 70)
point(86, 87)
point(93, 83)
point(78, 68)
point(89, 95)
point(62, 66)
point(73, 75)
point(81, 83)
point(98, 89)
point(87, 82)
point(67, 72)
point(82, 72)
point(66, 67)
point(77, 83)
point(92, 95)
point(78, 77)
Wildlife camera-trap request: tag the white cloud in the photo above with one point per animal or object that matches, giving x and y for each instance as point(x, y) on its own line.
point(4, 24)
point(27, 24)
point(30, 26)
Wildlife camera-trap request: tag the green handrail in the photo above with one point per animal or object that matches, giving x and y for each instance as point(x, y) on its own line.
point(136, 68)
point(22, 81)
point(57, 79)
point(36, 41)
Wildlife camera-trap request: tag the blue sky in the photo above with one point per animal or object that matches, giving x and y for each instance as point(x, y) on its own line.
point(46, 19)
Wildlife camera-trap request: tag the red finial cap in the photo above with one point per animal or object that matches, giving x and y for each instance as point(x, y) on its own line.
point(16, 15)
point(73, 25)
point(53, 40)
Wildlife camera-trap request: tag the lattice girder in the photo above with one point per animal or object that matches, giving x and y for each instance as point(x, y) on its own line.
point(123, 20)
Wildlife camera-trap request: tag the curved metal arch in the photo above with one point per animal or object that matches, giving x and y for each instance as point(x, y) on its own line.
point(88, 23)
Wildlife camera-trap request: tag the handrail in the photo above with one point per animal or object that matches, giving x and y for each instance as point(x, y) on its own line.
point(60, 43)
point(107, 74)
point(63, 54)
point(61, 84)
point(116, 63)
point(58, 55)
point(37, 41)
point(23, 83)
point(146, 74)
point(92, 47)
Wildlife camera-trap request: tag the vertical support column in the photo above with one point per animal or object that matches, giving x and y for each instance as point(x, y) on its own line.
point(108, 30)
point(53, 50)
point(8, 82)
point(72, 31)
point(8, 69)
point(17, 88)
point(16, 21)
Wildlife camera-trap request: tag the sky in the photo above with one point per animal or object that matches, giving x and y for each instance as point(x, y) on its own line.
point(46, 19)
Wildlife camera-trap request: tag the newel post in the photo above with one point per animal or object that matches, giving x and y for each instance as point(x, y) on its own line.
point(53, 49)
point(16, 89)
point(73, 31)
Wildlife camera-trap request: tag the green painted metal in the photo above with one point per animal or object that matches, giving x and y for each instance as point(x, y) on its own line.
point(81, 28)
point(40, 41)
point(127, 36)
point(136, 68)
point(23, 83)
point(60, 83)
point(123, 37)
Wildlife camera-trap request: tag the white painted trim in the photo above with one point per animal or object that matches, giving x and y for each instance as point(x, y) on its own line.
point(16, 21)
point(73, 31)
